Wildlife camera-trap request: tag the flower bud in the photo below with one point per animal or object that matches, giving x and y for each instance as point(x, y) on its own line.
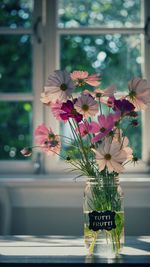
point(110, 102)
point(111, 134)
point(133, 114)
point(92, 146)
point(134, 123)
point(134, 159)
point(26, 151)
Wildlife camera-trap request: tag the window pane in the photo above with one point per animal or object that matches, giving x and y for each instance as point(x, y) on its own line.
point(15, 63)
point(15, 129)
point(111, 13)
point(16, 13)
point(116, 57)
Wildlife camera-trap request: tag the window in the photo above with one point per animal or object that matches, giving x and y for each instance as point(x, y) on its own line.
point(106, 37)
point(17, 85)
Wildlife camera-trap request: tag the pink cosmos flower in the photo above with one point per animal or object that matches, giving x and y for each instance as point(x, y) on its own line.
point(84, 128)
point(97, 93)
point(139, 93)
point(110, 155)
point(105, 96)
point(108, 92)
point(49, 142)
point(124, 142)
point(86, 106)
point(82, 77)
point(59, 86)
point(103, 127)
point(56, 110)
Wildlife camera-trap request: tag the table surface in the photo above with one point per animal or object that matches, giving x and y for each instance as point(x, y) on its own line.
point(67, 249)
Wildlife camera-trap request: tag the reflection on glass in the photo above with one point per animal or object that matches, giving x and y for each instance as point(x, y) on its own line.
point(15, 131)
point(15, 63)
point(135, 135)
point(16, 13)
point(116, 57)
point(110, 13)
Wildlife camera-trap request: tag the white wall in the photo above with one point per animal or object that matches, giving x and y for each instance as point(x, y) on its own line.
point(48, 206)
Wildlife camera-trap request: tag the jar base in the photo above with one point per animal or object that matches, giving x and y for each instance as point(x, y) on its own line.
point(100, 247)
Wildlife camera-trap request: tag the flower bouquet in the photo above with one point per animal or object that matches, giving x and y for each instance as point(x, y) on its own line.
point(99, 147)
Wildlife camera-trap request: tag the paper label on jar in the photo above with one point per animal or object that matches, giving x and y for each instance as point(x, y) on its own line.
point(102, 220)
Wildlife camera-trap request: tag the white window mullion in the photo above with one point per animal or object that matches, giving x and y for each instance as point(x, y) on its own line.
point(38, 66)
point(16, 97)
point(52, 163)
point(100, 30)
point(6, 30)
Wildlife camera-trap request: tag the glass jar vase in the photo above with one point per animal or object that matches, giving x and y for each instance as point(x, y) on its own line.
point(103, 217)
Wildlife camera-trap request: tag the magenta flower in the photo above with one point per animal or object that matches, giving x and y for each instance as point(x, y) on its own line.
point(124, 106)
point(116, 116)
point(56, 110)
point(103, 127)
point(82, 77)
point(84, 128)
point(68, 111)
point(49, 142)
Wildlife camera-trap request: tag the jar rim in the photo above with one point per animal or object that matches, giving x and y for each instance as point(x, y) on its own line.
point(113, 182)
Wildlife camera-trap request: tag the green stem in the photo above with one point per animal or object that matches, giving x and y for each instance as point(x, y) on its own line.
point(76, 140)
point(100, 106)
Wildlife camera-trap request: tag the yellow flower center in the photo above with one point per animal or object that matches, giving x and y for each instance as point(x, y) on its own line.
point(102, 130)
point(63, 87)
point(107, 157)
point(51, 136)
point(85, 107)
point(98, 95)
point(132, 94)
point(80, 82)
point(73, 111)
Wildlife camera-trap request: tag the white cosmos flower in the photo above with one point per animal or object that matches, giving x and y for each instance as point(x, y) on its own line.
point(139, 93)
point(109, 155)
point(59, 86)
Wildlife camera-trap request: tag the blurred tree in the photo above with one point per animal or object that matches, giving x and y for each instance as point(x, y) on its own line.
point(15, 77)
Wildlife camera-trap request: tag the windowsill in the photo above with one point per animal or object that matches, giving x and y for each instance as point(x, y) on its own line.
point(54, 179)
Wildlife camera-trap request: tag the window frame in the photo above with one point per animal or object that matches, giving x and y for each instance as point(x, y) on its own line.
point(23, 166)
point(44, 64)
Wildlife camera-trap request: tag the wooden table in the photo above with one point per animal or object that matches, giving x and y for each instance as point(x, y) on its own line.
point(66, 249)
